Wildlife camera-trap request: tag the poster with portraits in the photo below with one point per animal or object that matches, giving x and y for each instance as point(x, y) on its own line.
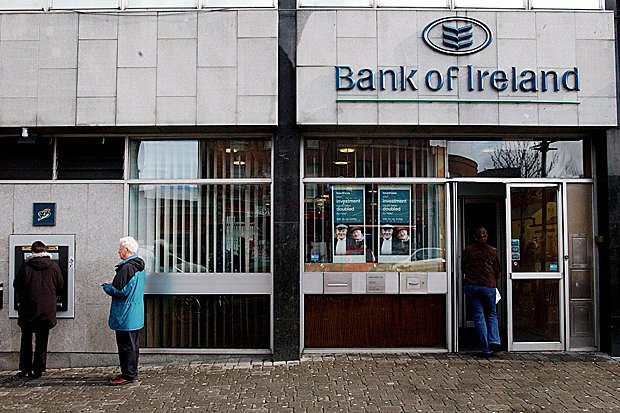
point(394, 223)
point(349, 231)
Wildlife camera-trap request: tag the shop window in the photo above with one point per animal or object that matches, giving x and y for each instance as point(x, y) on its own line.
point(85, 4)
point(87, 158)
point(566, 4)
point(145, 4)
point(201, 159)
point(504, 4)
point(206, 321)
point(376, 158)
point(23, 4)
point(519, 159)
point(375, 227)
point(26, 158)
point(412, 3)
point(202, 228)
point(335, 3)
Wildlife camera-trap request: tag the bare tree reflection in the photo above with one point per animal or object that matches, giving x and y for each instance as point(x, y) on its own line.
point(528, 159)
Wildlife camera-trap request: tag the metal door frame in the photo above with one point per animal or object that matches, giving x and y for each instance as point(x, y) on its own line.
point(559, 275)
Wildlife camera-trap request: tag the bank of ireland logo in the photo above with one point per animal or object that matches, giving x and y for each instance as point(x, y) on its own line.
point(457, 35)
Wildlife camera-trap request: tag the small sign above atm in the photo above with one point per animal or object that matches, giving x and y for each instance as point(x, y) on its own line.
point(44, 214)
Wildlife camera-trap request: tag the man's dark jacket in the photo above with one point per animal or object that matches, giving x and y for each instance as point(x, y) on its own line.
point(37, 284)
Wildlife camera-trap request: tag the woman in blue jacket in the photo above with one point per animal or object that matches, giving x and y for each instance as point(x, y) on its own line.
point(127, 309)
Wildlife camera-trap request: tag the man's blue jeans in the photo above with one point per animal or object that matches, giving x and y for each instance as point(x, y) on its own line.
point(481, 303)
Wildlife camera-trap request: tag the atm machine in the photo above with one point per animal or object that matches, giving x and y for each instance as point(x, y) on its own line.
point(62, 249)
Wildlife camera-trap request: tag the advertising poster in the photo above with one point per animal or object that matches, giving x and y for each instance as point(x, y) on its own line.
point(349, 231)
point(394, 223)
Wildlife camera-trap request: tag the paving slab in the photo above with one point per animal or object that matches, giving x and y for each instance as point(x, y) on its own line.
point(510, 382)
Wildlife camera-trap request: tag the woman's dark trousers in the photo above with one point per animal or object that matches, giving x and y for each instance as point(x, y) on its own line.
point(26, 361)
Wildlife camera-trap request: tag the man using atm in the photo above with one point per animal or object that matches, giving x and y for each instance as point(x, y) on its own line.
point(37, 284)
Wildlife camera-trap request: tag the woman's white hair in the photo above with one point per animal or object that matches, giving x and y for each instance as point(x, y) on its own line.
point(130, 243)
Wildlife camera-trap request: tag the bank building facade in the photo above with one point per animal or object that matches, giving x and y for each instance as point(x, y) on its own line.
point(303, 176)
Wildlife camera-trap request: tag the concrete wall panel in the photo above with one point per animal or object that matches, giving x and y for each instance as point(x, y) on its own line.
point(176, 110)
point(173, 77)
point(136, 96)
point(178, 26)
point(58, 45)
point(98, 26)
point(312, 26)
point(18, 68)
point(18, 112)
point(257, 110)
point(217, 39)
point(217, 96)
point(20, 27)
point(257, 23)
point(56, 103)
point(97, 68)
point(257, 75)
point(137, 41)
point(172, 45)
point(397, 43)
point(96, 112)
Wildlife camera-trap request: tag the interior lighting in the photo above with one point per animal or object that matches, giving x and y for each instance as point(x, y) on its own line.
point(230, 150)
point(347, 150)
point(341, 163)
point(238, 162)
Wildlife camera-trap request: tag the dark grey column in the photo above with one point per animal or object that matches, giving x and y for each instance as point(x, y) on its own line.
point(286, 229)
point(609, 225)
point(608, 175)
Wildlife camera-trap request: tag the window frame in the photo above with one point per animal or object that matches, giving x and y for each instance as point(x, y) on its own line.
point(209, 282)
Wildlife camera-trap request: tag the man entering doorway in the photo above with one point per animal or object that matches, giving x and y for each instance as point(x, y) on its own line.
point(482, 268)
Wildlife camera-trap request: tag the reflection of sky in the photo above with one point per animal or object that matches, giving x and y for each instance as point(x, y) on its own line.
point(569, 157)
point(168, 159)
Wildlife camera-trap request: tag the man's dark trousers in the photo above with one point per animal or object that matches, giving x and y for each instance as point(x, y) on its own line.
point(128, 353)
point(26, 361)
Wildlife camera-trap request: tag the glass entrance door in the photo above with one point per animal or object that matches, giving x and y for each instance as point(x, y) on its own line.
point(536, 267)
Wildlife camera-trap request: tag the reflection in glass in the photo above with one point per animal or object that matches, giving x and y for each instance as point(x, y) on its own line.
point(517, 159)
point(356, 158)
point(536, 310)
point(202, 228)
point(566, 4)
point(534, 229)
point(426, 240)
point(505, 4)
point(200, 159)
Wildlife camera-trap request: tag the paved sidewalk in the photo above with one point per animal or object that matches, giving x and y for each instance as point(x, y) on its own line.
point(333, 383)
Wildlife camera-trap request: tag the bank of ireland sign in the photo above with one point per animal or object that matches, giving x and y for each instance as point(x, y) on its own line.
point(459, 36)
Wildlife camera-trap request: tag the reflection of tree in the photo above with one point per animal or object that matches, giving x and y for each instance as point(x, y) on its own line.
point(529, 159)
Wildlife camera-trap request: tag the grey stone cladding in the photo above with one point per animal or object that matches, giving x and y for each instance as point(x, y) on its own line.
point(188, 68)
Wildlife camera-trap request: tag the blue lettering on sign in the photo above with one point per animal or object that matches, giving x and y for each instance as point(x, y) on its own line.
point(404, 78)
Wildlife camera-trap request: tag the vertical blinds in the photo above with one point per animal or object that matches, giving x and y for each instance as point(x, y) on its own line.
point(203, 228)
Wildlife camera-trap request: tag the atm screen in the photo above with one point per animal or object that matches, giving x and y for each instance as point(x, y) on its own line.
point(60, 255)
